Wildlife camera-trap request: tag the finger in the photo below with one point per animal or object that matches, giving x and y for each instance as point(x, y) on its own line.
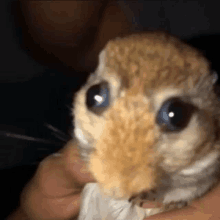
point(188, 213)
point(54, 187)
point(205, 208)
point(209, 204)
point(38, 207)
point(62, 173)
point(74, 165)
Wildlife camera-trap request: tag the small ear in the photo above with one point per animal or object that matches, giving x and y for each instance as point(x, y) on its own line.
point(215, 77)
point(101, 63)
point(215, 83)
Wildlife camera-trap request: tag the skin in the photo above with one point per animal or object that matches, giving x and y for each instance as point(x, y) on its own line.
point(206, 208)
point(54, 193)
point(72, 32)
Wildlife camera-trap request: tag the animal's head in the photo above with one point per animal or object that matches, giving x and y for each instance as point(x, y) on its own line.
point(149, 110)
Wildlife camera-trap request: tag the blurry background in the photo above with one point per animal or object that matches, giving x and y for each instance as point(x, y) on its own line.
point(48, 49)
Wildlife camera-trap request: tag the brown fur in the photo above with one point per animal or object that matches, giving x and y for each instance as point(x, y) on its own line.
point(159, 57)
point(126, 150)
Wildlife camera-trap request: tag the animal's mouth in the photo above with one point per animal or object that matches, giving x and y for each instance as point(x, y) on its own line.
point(146, 199)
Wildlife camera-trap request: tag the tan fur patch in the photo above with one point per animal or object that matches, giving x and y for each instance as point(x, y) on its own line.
point(124, 162)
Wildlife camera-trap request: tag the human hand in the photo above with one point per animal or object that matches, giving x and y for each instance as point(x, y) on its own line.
point(205, 208)
point(54, 191)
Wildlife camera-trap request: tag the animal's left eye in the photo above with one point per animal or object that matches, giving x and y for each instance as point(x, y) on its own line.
point(97, 97)
point(175, 114)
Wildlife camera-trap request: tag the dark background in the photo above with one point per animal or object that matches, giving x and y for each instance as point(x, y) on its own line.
point(35, 90)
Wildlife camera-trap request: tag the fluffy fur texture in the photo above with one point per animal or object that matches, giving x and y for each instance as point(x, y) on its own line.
point(126, 150)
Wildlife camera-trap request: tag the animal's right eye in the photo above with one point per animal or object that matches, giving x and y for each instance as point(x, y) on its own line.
point(97, 97)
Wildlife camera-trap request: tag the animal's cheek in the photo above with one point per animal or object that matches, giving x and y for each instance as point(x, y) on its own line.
point(123, 170)
point(89, 129)
point(181, 149)
point(108, 180)
point(118, 184)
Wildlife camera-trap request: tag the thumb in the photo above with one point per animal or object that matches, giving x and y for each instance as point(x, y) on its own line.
point(56, 186)
point(74, 165)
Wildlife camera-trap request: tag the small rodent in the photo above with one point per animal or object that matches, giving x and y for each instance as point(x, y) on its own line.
point(147, 121)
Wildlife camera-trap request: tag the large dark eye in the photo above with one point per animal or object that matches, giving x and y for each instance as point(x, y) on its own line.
point(97, 97)
point(174, 114)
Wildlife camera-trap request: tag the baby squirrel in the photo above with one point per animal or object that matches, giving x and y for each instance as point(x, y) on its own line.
point(147, 121)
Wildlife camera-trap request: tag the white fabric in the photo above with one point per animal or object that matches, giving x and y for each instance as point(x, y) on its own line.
point(96, 206)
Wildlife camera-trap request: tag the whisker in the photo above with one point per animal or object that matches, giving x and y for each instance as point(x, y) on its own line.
point(69, 107)
point(28, 138)
point(57, 132)
point(59, 137)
